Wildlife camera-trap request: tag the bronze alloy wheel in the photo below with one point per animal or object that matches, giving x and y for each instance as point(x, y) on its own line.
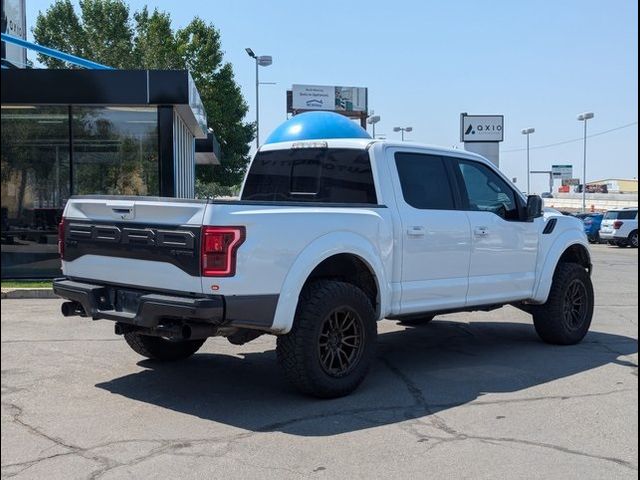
point(331, 345)
point(341, 341)
point(575, 304)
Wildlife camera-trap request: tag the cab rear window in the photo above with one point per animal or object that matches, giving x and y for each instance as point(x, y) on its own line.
point(320, 175)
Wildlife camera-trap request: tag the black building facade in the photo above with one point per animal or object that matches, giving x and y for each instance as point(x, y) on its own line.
point(77, 132)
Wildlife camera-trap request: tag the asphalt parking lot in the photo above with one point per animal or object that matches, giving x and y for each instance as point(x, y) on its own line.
point(467, 396)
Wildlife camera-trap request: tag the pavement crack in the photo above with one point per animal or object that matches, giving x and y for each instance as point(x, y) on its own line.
point(440, 424)
point(17, 417)
point(557, 448)
point(546, 398)
point(419, 399)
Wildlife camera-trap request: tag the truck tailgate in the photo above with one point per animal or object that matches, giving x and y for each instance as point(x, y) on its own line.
point(136, 241)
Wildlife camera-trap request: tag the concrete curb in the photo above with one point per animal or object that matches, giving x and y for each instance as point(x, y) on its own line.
point(21, 293)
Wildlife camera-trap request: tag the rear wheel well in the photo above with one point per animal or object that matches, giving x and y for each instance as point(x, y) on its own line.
point(577, 254)
point(348, 268)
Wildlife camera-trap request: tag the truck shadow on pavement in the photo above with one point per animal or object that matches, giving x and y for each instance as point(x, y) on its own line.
point(418, 373)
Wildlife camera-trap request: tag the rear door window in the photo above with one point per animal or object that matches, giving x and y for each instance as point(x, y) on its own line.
point(425, 181)
point(311, 175)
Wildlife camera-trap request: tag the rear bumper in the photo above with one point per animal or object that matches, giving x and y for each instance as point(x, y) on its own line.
point(610, 236)
point(147, 309)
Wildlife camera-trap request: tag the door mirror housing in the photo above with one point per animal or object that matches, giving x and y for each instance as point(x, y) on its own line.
point(534, 207)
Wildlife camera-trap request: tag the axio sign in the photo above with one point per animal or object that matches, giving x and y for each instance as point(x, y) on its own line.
point(481, 128)
point(325, 97)
point(14, 23)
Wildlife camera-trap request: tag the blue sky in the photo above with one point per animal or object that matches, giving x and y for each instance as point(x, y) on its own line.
point(537, 63)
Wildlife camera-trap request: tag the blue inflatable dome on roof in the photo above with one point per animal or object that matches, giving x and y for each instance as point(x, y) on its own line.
point(316, 125)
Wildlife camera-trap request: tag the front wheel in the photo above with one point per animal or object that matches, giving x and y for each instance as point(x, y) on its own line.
point(566, 317)
point(331, 345)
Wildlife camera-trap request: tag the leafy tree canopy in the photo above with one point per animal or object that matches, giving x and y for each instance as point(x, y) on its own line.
point(107, 32)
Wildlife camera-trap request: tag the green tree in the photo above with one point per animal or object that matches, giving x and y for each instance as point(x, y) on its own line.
point(105, 31)
point(155, 45)
point(59, 28)
point(199, 46)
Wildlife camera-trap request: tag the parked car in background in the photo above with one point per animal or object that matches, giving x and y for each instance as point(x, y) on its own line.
point(620, 227)
point(592, 222)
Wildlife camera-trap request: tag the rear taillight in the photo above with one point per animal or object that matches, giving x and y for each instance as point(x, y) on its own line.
point(617, 225)
point(219, 246)
point(61, 239)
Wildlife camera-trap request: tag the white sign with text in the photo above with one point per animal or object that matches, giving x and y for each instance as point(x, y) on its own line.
point(482, 128)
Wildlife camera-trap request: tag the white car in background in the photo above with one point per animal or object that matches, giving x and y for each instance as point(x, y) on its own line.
point(620, 227)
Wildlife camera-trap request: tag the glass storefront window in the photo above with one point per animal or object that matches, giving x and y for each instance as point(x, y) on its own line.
point(115, 150)
point(35, 187)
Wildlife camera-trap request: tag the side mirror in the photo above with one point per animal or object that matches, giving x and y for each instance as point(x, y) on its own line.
point(534, 207)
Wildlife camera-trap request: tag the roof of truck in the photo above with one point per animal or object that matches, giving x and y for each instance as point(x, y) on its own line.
point(362, 143)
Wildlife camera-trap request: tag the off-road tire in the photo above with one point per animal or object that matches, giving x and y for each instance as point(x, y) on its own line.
point(416, 320)
point(554, 321)
point(161, 349)
point(299, 351)
point(633, 239)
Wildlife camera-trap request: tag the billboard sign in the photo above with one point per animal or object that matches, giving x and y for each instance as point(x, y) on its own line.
point(481, 128)
point(596, 188)
point(562, 172)
point(571, 182)
point(332, 98)
point(14, 23)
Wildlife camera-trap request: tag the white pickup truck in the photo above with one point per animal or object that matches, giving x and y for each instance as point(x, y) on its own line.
point(329, 236)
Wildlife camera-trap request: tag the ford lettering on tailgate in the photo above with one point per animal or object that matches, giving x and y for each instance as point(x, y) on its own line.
point(177, 246)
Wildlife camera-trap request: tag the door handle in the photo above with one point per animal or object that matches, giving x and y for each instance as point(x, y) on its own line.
point(481, 231)
point(415, 231)
point(122, 210)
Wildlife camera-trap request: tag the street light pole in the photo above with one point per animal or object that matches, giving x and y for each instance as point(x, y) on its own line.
point(583, 117)
point(372, 120)
point(257, 105)
point(402, 130)
point(527, 132)
point(261, 61)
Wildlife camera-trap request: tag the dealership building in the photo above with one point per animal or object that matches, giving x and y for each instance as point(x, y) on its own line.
point(90, 131)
